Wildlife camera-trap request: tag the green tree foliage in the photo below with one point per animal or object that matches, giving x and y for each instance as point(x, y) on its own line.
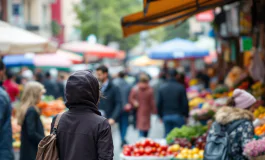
point(181, 31)
point(102, 18)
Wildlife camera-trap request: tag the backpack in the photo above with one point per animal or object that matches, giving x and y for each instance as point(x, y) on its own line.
point(218, 146)
point(47, 149)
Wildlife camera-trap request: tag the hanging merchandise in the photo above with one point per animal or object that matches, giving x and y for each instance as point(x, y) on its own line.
point(247, 58)
point(233, 51)
point(245, 18)
point(246, 44)
point(257, 68)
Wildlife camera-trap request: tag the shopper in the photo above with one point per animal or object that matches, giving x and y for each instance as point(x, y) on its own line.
point(6, 149)
point(50, 85)
point(83, 133)
point(240, 107)
point(61, 86)
point(110, 105)
point(29, 118)
point(124, 89)
point(142, 98)
point(11, 87)
point(173, 106)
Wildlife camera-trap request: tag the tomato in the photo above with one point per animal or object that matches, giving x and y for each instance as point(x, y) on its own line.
point(148, 151)
point(163, 153)
point(159, 149)
point(141, 151)
point(157, 145)
point(126, 153)
point(138, 144)
point(137, 155)
point(128, 147)
point(154, 149)
point(152, 144)
point(136, 150)
point(147, 142)
point(164, 148)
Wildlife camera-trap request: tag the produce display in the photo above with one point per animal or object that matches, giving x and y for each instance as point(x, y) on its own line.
point(203, 113)
point(187, 132)
point(260, 130)
point(182, 142)
point(192, 154)
point(147, 148)
point(257, 89)
point(200, 142)
point(51, 108)
point(16, 129)
point(255, 150)
point(259, 112)
point(195, 102)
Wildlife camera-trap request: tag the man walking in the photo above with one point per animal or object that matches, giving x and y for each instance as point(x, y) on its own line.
point(172, 104)
point(6, 149)
point(51, 87)
point(124, 89)
point(110, 104)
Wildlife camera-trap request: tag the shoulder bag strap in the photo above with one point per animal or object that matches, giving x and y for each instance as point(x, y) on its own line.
point(234, 125)
point(57, 120)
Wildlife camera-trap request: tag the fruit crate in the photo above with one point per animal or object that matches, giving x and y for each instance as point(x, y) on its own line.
point(123, 157)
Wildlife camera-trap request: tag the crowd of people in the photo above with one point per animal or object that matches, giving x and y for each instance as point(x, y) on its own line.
point(98, 101)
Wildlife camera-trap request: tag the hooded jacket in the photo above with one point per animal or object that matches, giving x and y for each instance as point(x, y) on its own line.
point(240, 135)
point(82, 132)
point(6, 149)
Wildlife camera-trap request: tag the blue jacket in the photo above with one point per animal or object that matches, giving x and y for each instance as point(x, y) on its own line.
point(111, 101)
point(6, 149)
point(172, 99)
point(124, 89)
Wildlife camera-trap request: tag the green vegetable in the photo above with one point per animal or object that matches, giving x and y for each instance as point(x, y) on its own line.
point(188, 132)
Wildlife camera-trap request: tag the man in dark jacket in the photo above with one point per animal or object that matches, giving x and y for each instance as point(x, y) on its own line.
point(124, 89)
point(110, 105)
point(6, 149)
point(51, 87)
point(83, 133)
point(172, 104)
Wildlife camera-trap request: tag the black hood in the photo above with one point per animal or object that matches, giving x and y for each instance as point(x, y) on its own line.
point(82, 91)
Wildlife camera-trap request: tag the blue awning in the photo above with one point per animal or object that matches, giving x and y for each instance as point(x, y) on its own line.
point(18, 60)
point(177, 49)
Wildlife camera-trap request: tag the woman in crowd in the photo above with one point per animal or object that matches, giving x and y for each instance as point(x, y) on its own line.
point(142, 98)
point(240, 107)
point(29, 118)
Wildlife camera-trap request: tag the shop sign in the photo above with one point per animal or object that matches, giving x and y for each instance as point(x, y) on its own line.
point(206, 16)
point(245, 44)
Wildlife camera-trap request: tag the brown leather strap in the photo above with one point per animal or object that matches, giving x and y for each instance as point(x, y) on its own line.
point(57, 120)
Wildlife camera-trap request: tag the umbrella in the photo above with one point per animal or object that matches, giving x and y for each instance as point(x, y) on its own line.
point(19, 60)
point(52, 60)
point(177, 49)
point(92, 49)
point(145, 61)
point(59, 59)
point(74, 58)
point(14, 40)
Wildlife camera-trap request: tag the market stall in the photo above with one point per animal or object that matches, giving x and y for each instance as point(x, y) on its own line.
point(13, 41)
point(92, 50)
point(60, 59)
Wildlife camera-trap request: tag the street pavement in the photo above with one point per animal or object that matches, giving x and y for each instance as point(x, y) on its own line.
point(156, 132)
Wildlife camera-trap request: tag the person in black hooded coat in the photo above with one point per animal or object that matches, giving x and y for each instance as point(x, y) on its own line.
point(83, 133)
